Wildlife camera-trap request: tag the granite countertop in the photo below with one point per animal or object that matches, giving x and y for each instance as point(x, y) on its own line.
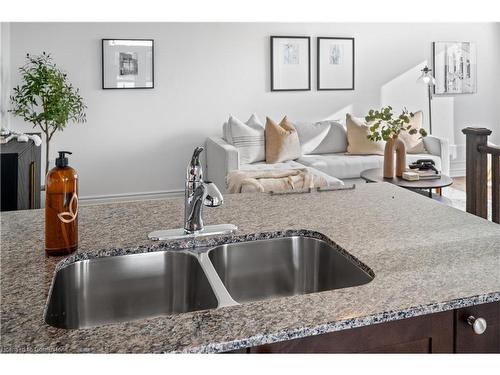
point(427, 257)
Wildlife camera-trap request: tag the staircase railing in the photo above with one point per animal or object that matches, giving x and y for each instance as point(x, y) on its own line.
point(476, 179)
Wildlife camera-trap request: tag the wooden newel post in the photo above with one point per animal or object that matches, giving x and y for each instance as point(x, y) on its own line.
point(476, 166)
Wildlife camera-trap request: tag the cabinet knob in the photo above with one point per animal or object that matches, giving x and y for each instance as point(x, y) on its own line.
point(478, 324)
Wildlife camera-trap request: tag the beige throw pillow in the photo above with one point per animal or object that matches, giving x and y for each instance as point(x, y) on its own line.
point(414, 145)
point(282, 141)
point(357, 138)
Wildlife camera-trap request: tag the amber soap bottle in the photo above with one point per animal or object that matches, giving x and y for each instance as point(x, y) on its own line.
point(61, 208)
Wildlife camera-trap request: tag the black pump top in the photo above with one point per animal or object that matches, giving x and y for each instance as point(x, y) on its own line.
point(62, 160)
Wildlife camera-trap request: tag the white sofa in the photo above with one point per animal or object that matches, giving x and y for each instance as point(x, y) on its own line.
point(222, 157)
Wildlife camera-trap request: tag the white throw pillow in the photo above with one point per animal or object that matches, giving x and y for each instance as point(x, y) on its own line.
point(311, 135)
point(225, 133)
point(248, 138)
point(335, 140)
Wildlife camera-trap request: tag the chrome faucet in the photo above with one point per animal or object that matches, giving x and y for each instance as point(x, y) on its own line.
point(198, 193)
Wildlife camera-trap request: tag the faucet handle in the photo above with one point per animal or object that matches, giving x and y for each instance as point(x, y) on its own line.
point(194, 170)
point(214, 196)
point(196, 154)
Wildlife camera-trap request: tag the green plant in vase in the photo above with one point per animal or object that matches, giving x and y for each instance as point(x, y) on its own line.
point(46, 98)
point(385, 125)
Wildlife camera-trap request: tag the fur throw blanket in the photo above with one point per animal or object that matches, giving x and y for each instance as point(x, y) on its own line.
point(245, 181)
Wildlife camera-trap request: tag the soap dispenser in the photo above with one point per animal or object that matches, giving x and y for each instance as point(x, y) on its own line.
point(61, 208)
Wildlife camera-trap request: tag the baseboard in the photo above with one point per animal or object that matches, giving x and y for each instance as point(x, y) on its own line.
point(457, 164)
point(457, 169)
point(129, 197)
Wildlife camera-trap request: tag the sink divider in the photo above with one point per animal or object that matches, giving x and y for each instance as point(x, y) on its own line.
point(216, 283)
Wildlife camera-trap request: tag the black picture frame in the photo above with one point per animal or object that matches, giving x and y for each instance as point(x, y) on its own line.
point(272, 38)
point(318, 68)
point(152, 64)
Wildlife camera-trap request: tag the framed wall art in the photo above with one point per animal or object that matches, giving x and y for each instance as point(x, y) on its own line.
point(127, 63)
point(335, 63)
point(290, 63)
point(454, 66)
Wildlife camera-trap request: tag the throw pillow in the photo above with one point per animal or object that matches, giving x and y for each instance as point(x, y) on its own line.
point(414, 145)
point(335, 140)
point(225, 133)
point(358, 142)
point(248, 138)
point(311, 135)
point(282, 141)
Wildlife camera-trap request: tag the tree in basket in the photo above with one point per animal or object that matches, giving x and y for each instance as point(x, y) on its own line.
point(384, 125)
point(46, 98)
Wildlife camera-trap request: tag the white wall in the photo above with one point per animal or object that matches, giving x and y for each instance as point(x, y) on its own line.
point(496, 136)
point(4, 74)
point(138, 141)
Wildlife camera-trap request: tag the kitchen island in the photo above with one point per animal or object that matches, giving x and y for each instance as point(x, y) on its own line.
point(427, 258)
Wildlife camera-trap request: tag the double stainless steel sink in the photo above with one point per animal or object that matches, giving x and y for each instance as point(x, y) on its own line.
point(115, 289)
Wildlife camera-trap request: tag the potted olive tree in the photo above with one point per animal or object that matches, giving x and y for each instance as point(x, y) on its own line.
point(46, 98)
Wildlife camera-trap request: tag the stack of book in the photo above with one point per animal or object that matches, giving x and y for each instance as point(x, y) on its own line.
point(417, 174)
point(428, 174)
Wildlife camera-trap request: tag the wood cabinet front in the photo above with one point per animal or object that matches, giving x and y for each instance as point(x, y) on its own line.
point(444, 332)
point(424, 334)
point(468, 341)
